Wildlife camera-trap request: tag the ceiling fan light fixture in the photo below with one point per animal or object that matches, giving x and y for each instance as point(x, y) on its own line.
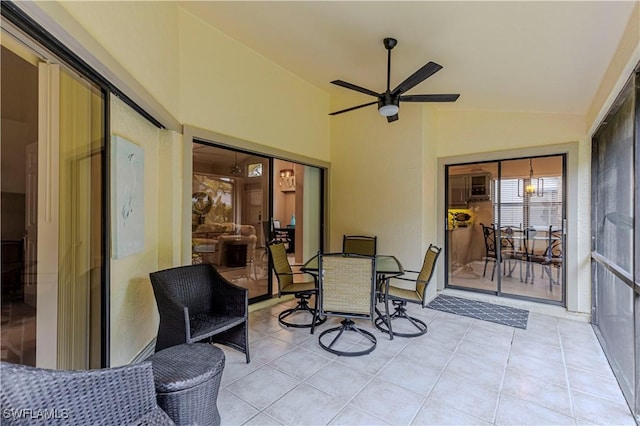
point(388, 110)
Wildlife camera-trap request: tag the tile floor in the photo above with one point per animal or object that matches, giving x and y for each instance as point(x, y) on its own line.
point(462, 372)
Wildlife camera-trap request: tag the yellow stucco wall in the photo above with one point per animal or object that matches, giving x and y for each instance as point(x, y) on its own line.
point(134, 317)
point(376, 179)
point(142, 36)
point(226, 87)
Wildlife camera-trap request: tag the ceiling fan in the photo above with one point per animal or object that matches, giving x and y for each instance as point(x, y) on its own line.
point(389, 100)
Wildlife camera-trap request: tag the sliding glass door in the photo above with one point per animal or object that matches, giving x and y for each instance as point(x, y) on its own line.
point(240, 200)
point(506, 233)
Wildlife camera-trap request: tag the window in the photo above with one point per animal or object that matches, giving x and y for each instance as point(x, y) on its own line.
point(220, 192)
point(254, 170)
point(521, 210)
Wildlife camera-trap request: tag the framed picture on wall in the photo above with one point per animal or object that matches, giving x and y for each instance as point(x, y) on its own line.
point(127, 198)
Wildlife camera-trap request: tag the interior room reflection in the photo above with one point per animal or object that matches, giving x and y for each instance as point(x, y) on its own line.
point(231, 225)
point(505, 227)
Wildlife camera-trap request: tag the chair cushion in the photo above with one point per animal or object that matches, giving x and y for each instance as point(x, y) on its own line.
point(299, 287)
point(402, 293)
point(207, 325)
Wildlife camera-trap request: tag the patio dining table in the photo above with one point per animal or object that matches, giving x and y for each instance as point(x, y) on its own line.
point(386, 266)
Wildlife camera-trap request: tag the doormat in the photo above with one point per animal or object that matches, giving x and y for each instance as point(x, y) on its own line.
point(485, 311)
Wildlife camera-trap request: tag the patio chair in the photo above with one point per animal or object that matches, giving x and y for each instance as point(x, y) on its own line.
point(302, 290)
point(197, 304)
point(400, 296)
point(347, 289)
point(358, 244)
point(110, 396)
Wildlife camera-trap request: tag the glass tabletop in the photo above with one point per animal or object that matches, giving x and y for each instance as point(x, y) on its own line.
point(385, 264)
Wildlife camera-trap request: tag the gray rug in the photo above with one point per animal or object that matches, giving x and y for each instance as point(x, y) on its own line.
point(485, 311)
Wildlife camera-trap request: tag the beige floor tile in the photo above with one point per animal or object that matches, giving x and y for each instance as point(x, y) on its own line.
point(339, 380)
point(261, 419)
point(523, 346)
point(492, 356)
point(546, 371)
point(269, 348)
point(263, 387)
point(477, 371)
point(299, 363)
point(352, 416)
point(514, 411)
point(601, 411)
point(602, 386)
point(499, 338)
point(305, 405)
point(233, 410)
point(587, 361)
point(416, 377)
point(437, 413)
point(470, 398)
point(537, 392)
point(398, 407)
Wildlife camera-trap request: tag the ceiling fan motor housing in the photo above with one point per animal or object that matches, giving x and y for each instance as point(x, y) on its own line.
point(386, 100)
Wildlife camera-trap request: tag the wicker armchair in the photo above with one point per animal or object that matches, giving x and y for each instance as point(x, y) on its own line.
point(197, 304)
point(113, 396)
point(358, 244)
point(399, 296)
point(347, 289)
point(303, 290)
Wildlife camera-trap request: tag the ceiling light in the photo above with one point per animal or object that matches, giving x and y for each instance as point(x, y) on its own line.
point(388, 110)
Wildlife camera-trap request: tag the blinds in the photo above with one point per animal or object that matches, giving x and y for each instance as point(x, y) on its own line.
point(518, 209)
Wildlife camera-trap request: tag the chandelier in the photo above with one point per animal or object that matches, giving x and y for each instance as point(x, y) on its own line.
point(287, 180)
point(534, 187)
point(236, 169)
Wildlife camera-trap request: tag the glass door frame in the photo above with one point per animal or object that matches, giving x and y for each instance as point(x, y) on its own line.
point(447, 243)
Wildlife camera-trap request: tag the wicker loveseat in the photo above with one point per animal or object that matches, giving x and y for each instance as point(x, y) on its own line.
point(211, 241)
point(110, 396)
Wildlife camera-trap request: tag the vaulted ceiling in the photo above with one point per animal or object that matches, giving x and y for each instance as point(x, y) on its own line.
point(535, 56)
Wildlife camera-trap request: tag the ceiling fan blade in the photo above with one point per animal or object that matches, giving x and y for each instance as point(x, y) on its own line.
point(352, 108)
point(417, 77)
point(354, 87)
point(392, 118)
point(430, 98)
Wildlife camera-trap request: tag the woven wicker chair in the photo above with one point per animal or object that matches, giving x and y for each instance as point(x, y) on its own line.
point(347, 289)
point(303, 291)
point(112, 396)
point(197, 304)
point(358, 244)
point(400, 296)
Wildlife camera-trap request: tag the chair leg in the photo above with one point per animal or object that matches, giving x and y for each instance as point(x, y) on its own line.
point(400, 312)
point(347, 325)
point(302, 306)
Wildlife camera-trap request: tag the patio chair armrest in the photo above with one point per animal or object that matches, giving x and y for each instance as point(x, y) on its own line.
point(235, 299)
